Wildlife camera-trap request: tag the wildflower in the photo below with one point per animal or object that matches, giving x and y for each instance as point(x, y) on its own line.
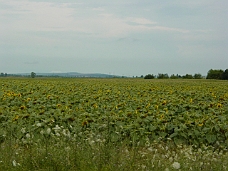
point(84, 123)
point(143, 167)
point(171, 159)
point(156, 107)
point(15, 163)
point(38, 125)
point(164, 102)
point(16, 118)
point(150, 149)
point(23, 130)
point(91, 142)
point(48, 131)
point(162, 116)
point(27, 135)
point(200, 124)
point(166, 169)
point(22, 107)
point(176, 165)
point(56, 127)
point(66, 132)
point(219, 105)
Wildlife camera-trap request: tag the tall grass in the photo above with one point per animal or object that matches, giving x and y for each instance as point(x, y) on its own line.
point(96, 152)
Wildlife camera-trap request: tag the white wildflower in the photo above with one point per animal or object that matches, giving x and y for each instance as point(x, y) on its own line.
point(171, 159)
point(66, 132)
point(48, 131)
point(27, 135)
point(56, 127)
point(176, 165)
point(38, 124)
point(67, 149)
point(166, 169)
point(15, 163)
point(23, 130)
point(91, 142)
point(24, 141)
point(143, 167)
point(199, 150)
point(150, 149)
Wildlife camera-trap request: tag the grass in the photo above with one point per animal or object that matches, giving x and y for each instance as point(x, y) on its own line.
point(97, 154)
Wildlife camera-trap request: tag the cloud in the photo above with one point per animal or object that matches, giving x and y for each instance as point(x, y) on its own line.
point(141, 21)
point(47, 16)
point(98, 9)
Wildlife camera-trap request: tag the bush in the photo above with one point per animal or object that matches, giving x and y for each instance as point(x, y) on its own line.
point(163, 76)
point(225, 75)
point(149, 76)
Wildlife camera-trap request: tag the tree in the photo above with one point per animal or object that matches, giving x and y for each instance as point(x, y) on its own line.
point(214, 74)
point(149, 76)
point(225, 75)
point(175, 76)
point(33, 74)
point(162, 76)
point(188, 76)
point(198, 76)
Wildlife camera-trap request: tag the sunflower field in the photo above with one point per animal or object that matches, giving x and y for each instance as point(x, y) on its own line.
point(134, 111)
point(190, 112)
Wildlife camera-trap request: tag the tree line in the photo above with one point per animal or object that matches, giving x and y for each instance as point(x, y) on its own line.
point(211, 74)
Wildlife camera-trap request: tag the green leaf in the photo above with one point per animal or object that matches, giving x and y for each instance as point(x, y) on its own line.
point(211, 138)
point(173, 135)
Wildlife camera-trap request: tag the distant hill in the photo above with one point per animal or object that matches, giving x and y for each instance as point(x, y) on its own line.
point(71, 74)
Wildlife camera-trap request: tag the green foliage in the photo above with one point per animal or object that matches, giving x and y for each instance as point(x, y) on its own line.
point(33, 74)
point(175, 76)
point(188, 76)
point(225, 75)
point(214, 74)
point(149, 76)
point(197, 76)
point(110, 124)
point(3, 74)
point(162, 76)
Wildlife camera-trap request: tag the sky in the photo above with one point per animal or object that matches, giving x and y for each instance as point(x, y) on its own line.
point(130, 37)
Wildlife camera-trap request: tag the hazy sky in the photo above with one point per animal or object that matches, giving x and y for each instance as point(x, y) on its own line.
point(122, 37)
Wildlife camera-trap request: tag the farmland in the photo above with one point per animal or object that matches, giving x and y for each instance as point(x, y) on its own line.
point(84, 122)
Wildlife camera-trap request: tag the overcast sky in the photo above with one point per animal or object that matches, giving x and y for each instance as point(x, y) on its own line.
point(122, 37)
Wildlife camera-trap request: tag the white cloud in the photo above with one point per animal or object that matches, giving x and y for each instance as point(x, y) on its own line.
point(99, 9)
point(46, 16)
point(142, 21)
